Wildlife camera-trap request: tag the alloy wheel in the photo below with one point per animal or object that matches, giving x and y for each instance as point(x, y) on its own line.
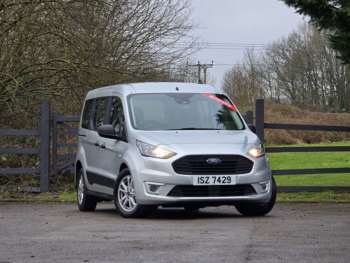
point(81, 190)
point(126, 194)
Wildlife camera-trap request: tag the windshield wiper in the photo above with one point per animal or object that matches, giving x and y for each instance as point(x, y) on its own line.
point(193, 129)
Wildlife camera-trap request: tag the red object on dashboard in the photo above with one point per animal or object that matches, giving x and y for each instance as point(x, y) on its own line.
point(222, 102)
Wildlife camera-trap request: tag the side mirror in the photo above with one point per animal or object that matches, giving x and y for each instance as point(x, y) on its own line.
point(107, 131)
point(252, 128)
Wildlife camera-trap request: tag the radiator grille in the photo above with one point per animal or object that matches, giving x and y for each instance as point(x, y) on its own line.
point(201, 165)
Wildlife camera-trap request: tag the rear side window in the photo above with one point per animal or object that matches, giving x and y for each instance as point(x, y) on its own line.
point(87, 115)
point(100, 117)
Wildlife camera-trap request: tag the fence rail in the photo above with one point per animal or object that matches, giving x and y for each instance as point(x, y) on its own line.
point(298, 149)
point(19, 151)
point(22, 133)
point(311, 171)
point(306, 127)
point(16, 171)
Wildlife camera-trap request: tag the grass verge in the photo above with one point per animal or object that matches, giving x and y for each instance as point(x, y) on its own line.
point(323, 197)
point(62, 197)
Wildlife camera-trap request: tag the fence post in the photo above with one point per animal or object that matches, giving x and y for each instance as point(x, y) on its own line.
point(44, 130)
point(249, 117)
point(260, 118)
point(54, 143)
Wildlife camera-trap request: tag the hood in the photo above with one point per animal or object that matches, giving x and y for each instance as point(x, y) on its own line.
point(198, 137)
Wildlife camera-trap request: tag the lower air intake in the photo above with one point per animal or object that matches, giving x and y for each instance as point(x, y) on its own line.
point(211, 191)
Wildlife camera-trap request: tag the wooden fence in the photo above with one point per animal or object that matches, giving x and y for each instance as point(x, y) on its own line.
point(64, 129)
point(261, 126)
point(48, 134)
point(43, 152)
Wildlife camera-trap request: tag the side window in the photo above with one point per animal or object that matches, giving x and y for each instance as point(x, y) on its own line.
point(100, 112)
point(117, 116)
point(87, 115)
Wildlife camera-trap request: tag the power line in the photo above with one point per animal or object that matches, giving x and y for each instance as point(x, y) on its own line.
point(236, 64)
point(201, 67)
point(222, 43)
point(225, 49)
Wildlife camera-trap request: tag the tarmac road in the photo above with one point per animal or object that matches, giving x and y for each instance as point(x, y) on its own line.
point(59, 233)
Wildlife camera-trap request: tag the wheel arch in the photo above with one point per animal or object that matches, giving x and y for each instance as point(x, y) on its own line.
point(123, 166)
point(78, 167)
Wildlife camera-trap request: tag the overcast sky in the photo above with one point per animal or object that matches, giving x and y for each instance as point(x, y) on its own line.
point(231, 25)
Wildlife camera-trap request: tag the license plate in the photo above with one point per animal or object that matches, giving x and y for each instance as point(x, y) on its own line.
point(214, 180)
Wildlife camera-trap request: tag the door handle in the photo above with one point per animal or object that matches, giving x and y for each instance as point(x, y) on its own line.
point(103, 146)
point(97, 144)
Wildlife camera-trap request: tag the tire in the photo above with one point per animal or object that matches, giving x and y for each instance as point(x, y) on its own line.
point(125, 197)
point(191, 210)
point(259, 209)
point(86, 202)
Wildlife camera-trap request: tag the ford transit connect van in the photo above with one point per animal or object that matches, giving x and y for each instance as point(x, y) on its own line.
point(169, 144)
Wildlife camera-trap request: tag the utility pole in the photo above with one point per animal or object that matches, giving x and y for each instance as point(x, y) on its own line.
point(205, 68)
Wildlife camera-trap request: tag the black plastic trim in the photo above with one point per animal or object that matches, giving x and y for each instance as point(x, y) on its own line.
point(212, 191)
point(103, 197)
point(94, 178)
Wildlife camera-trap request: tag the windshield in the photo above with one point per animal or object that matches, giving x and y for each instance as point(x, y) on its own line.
point(183, 111)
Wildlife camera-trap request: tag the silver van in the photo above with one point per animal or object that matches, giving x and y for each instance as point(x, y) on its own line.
point(172, 145)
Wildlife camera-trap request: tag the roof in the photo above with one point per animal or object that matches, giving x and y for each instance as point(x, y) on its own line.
point(152, 87)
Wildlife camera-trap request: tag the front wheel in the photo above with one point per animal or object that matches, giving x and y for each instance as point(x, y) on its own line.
point(192, 210)
point(125, 197)
point(259, 209)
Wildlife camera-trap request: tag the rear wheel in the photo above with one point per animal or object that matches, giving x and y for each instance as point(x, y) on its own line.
point(85, 201)
point(125, 197)
point(259, 209)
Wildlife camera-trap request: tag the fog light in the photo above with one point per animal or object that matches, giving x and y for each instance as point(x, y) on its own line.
point(264, 186)
point(153, 188)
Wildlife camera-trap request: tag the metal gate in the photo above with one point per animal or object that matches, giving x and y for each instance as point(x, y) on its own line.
point(64, 142)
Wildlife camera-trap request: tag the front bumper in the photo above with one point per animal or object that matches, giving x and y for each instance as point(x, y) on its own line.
point(164, 199)
point(156, 178)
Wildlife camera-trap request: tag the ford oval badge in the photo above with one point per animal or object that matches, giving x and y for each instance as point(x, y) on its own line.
point(214, 161)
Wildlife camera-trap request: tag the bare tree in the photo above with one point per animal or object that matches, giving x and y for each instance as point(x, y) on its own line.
point(301, 69)
point(60, 49)
point(244, 82)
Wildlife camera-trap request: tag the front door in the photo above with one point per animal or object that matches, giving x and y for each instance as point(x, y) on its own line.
point(108, 152)
point(94, 172)
point(111, 152)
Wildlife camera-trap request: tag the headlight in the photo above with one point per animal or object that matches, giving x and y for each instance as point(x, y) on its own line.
point(257, 151)
point(154, 151)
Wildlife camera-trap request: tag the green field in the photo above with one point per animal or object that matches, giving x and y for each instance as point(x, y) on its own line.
point(280, 161)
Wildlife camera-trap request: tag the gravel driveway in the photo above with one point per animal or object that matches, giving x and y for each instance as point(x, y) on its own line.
point(59, 233)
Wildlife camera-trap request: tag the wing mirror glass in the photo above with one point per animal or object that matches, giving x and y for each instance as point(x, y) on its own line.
point(107, 131)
